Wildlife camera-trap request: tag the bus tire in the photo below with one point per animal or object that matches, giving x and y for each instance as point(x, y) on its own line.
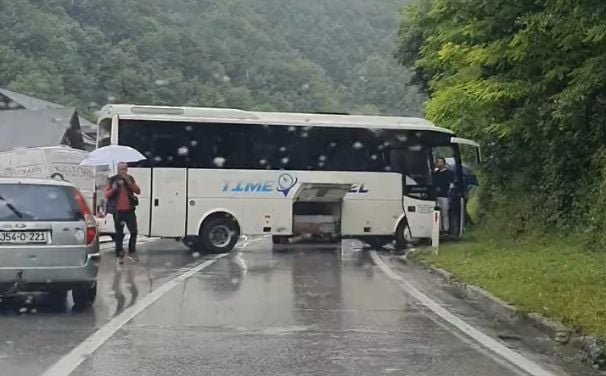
point(191, 242)
point(219, 233)
point(401, 241)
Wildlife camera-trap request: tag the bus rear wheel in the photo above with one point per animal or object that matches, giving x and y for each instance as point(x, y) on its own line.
point(219, 234)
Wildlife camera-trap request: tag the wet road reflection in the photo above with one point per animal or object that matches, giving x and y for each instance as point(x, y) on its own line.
point(304, 312)
point(35, 331)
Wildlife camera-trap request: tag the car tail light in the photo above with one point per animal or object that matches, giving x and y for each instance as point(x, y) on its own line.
point(91, 224)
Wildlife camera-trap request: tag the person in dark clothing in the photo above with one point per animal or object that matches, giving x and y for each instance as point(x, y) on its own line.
point(443, 181)
point(120, 192)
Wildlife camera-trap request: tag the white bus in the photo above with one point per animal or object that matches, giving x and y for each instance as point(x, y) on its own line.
point(214, 174)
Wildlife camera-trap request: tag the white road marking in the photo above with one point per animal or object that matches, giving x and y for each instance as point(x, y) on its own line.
point(489, 343)
point(74, 358)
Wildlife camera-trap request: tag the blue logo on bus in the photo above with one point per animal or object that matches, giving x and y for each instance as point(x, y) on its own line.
point(284, 185)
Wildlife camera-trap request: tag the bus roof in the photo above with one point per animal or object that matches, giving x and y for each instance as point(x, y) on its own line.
point(229, 115)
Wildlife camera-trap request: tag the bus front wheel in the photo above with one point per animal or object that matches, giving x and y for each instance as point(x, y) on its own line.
point(402, 236)
point(219, 234)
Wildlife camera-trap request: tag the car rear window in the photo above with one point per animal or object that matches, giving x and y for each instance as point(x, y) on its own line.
point(28, 202)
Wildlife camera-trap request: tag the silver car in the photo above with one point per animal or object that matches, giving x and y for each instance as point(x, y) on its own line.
point(48, 239)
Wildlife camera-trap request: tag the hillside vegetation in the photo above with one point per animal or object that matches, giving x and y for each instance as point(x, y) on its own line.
point(528, 79)
point(290, 55)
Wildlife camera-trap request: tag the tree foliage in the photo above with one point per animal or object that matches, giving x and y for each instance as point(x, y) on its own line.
point(528, 79)
point(254, 54)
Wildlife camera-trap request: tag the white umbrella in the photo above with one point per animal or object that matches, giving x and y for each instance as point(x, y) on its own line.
point(111, 155)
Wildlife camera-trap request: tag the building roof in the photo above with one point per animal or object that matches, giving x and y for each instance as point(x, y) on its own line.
point(10, 100)
point(47, 127)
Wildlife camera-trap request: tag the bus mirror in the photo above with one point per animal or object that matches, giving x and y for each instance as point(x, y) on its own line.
point(475, 145)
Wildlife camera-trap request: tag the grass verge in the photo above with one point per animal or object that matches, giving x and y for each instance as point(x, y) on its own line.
point(554, 277)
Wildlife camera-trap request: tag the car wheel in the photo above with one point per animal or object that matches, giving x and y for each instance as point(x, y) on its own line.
point(219, 234)
point(84, 296)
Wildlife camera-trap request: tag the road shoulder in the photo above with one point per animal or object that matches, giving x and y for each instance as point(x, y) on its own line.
point(491, 316)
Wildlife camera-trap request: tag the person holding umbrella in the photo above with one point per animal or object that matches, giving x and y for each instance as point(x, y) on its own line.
point(120, 192)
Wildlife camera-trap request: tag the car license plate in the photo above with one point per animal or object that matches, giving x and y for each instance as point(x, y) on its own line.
point(23, 237)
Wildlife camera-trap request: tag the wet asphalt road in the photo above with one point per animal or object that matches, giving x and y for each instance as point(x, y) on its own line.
point(254, 312)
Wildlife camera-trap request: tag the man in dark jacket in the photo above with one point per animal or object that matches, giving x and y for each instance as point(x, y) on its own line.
point(443, 182)
point(120, 192)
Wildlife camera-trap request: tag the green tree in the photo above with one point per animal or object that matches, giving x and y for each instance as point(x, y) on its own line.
point(526, 78)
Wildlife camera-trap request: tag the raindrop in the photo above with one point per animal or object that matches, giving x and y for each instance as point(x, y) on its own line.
point(52, 195)
point(194, 142)
point(332, 144)
point(226, 79)
point(168, 264)
point(22, 310)
point(373, 157)
point(219, 161)
point(235, 281)
point(304, 135)
point(321, 164)
point(161, 82)
point(33, 311)
point(358, 145)
point(183, 150)
point(322, 158)
point(284, 160)
point(282, 148)
point(262, 162)
point(305, 87)
point(29, 300)
point(307, 128)
point(196, 255)
point(170, 158)
point(291, 128)
point(387, 168)
point(148, 153)
point(403, 138)
point(188, 128)
point(111, 98)
point(157, 158)
point(415, 148)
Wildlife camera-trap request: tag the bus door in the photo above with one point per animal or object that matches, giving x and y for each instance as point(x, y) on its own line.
point(418, 201)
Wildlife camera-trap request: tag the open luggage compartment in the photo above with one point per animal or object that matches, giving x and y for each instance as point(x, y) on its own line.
point(317, 209)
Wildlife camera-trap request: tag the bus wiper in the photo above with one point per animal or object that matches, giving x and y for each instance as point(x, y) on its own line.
point(12, 208)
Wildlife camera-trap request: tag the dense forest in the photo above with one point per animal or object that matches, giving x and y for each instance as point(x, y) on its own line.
point(528, 79)
point(290, 55)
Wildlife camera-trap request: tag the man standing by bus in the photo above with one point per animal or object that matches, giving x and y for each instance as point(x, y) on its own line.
point(120, 192)
point(443, 181)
